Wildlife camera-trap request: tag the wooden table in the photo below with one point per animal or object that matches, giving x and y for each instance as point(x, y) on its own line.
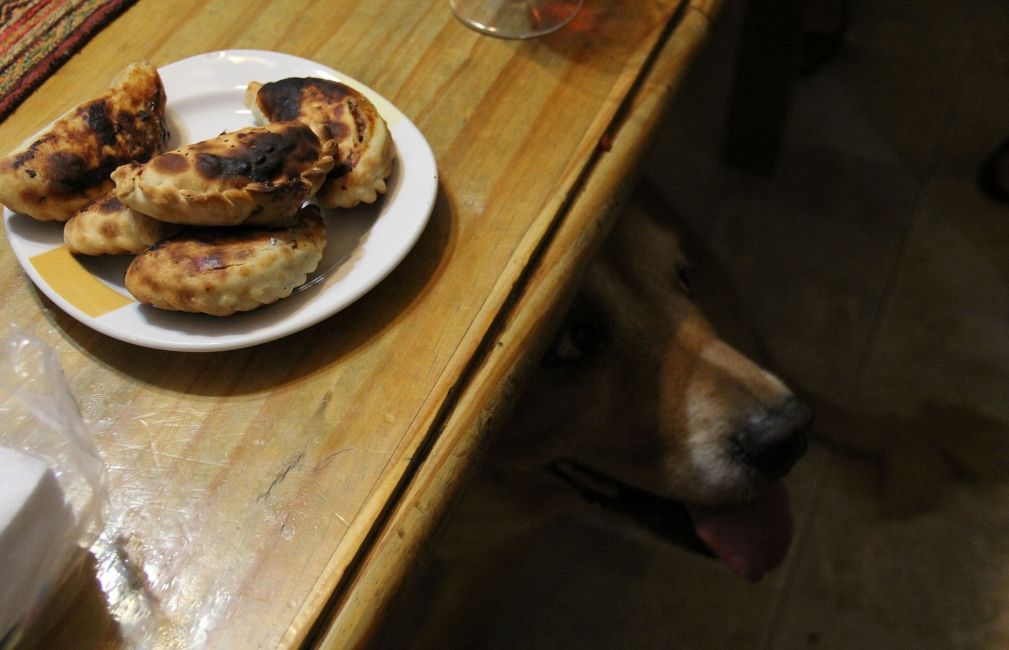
point(276, 495)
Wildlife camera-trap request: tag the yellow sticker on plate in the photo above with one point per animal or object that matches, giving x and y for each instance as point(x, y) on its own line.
point(67, 277)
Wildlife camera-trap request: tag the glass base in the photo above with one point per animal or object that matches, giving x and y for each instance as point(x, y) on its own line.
point(515, 18)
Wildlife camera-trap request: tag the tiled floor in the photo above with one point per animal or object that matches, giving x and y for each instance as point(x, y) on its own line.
point(872, 275)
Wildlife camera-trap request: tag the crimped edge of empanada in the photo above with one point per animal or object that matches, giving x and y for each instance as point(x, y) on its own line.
point(228, 207)
point(191, 278)
point(107, 227)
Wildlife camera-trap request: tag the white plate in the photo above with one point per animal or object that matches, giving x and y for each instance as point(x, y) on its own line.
point(205, 97)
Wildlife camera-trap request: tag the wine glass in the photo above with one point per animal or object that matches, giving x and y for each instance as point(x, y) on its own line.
point(515, 18)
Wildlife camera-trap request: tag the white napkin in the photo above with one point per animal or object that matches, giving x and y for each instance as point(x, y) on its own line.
point(37, 536)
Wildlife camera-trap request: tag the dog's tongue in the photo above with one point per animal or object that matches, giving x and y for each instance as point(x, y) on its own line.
point(751, 539)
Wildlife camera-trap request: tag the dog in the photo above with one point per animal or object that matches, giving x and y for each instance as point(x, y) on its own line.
point(644, 410)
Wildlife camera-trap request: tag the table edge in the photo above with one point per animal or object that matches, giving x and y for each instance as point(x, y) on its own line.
point(534, 308)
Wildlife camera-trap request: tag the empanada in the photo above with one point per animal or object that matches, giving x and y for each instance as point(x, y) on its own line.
point(107, 227)
point(67, 164)
point(254, 176)
point(335, 110)
point(219, 271)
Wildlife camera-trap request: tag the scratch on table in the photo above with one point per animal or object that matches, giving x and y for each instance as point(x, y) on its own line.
point(324, 403)
point(281, 475)
point(190, 459)
point(324, 463)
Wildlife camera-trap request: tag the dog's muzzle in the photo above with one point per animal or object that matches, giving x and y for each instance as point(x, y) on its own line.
point(752, 537)
point(772, 440)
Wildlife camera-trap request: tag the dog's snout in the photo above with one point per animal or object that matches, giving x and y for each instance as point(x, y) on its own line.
point(771, 441)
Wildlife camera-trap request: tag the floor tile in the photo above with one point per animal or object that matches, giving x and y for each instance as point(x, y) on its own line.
point(938, 579)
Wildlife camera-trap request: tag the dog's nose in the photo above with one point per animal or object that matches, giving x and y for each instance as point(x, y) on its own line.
point(771, 441)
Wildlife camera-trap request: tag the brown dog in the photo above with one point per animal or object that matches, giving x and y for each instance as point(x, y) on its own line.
point(643, 408)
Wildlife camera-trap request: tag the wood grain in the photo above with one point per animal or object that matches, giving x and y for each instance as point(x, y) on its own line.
point(276, 495)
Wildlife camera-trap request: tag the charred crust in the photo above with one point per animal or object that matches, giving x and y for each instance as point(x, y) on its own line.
point(109, 229)
point(340, 169)
point(262, 156)
point(110, 204)
point(32, 151)
point(96, 117)
point(282, 100)
point(70, 175)
point(170, 162)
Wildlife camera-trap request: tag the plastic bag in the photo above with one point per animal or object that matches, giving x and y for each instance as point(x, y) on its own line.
point(39, 418)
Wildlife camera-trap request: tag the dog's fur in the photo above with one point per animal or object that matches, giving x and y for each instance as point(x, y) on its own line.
point(637, 386)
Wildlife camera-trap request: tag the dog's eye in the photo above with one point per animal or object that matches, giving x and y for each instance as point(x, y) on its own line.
point(683, 279)
point(575, 341)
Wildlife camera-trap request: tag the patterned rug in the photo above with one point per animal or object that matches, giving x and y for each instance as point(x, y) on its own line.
point(37, 36)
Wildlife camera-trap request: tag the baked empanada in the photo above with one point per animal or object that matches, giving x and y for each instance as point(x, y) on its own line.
point(107, 227)
point(219, 271)
point(67, 164)
point(333, 110)
point(255, 176)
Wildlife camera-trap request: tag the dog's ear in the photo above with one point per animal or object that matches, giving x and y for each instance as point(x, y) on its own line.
point(655, 223)
point(712, 288)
